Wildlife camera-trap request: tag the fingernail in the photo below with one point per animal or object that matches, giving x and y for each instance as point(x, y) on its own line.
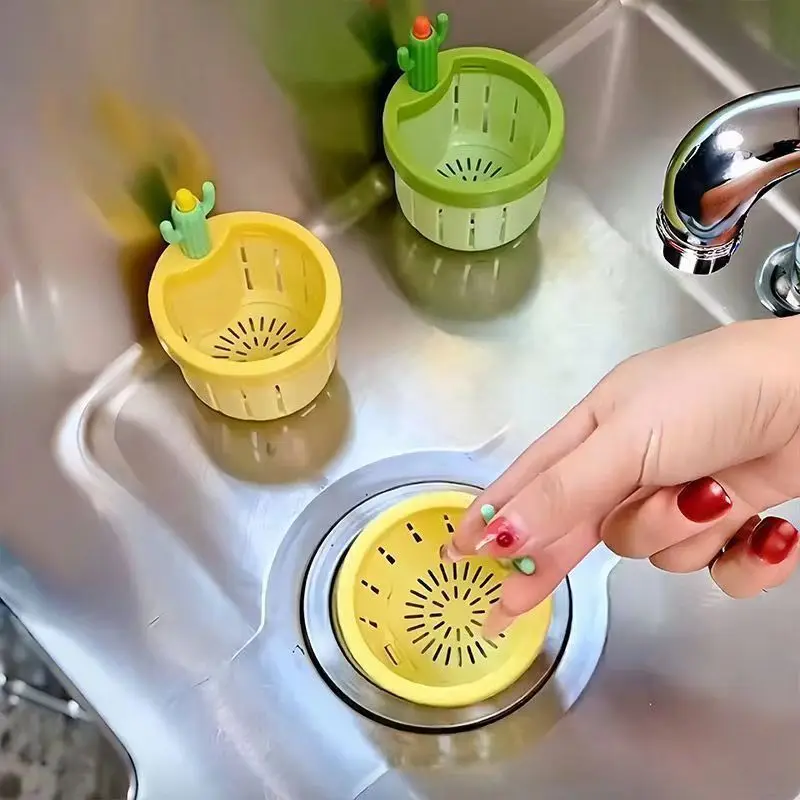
point(501, 533)
point(526, 565)
point(773, 540)
point(703, 500)
point(487, 512)
point(743, 534)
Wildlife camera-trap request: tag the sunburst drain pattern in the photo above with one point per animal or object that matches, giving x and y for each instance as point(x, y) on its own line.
point(446, 611)
point(256, 337)
point(471, 170)
point(444, 606)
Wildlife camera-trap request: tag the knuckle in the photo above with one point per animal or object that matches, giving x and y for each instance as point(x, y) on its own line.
point(651, 462)
point(623, 372)
point(550, 493)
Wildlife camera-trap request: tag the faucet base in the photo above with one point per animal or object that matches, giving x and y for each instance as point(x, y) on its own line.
point(778, 281)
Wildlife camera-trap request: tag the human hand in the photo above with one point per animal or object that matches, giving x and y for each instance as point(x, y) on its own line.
point(632, 465)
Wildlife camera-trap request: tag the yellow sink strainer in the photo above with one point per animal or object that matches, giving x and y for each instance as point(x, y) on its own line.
point(248, 305)
point(412, 623)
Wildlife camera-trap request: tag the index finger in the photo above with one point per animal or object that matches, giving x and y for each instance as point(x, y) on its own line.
point(521, 593)
point(581, 488)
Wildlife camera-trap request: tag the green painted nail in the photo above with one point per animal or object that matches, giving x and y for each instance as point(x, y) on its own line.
point(487, 512)
point(525, 565)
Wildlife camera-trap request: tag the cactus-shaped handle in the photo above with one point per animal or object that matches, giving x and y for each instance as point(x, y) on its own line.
point(404, 59)
point(209, 197)
point(442, 27)
point(420, 60)
point(169, 233)
point(188, 228)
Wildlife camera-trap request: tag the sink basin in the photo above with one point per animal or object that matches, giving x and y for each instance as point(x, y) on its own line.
point(172, 599)
point(46, 733)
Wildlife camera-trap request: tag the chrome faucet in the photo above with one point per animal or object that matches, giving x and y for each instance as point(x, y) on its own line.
point(718, 172)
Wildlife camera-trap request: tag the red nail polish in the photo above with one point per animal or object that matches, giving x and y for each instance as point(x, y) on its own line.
point(743, 534)
point(773, 540)
point(503, 532)
point(703, 500)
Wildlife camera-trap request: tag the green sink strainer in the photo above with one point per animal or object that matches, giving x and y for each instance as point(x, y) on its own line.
point(473, 135)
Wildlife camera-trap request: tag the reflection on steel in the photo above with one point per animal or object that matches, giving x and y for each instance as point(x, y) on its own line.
point(145, 542)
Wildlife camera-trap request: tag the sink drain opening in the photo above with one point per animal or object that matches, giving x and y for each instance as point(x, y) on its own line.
point(423, 644)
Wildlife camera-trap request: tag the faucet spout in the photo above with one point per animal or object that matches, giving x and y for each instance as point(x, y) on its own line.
point(718, 172)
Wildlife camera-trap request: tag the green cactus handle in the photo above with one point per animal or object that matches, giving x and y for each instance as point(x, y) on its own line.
point(442, 27)
point(189, 229)
point(420, 60)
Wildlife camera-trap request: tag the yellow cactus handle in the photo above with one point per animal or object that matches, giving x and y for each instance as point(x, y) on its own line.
point(185, 200)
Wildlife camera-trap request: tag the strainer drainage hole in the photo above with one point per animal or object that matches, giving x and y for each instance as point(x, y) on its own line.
point(244, 344)
point(417, 537)
point(392, 657)
point(455, 169)
point(467, 592)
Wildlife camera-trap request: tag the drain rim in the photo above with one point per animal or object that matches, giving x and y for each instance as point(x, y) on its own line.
point(319, 627)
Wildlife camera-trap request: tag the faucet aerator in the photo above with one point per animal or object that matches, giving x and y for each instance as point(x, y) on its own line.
point(694, 258)
point(694, 261)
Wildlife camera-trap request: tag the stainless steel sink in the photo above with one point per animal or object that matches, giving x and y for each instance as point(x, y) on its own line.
point(158, 551)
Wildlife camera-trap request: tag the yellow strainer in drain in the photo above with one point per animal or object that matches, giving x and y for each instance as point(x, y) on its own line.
point(413, 624)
